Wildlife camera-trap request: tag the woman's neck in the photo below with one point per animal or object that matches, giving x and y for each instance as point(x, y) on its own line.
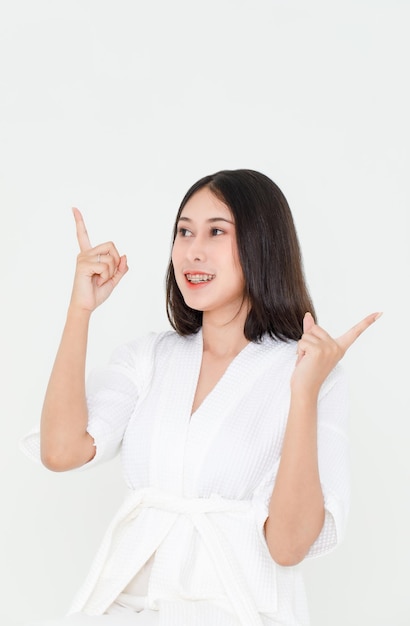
point(221, 338)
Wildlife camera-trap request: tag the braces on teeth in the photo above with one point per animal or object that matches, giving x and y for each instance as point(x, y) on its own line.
point(199, 278)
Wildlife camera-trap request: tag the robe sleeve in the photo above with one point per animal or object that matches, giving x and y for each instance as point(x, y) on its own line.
point(112, 393)
point(333, 454)
point(333, 457)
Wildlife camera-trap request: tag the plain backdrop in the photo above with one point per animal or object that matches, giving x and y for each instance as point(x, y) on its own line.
point(117, 107)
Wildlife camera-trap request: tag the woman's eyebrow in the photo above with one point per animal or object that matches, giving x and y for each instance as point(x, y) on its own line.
point(211, 219)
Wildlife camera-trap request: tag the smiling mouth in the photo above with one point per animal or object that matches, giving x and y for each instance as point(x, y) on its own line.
point(199, 278)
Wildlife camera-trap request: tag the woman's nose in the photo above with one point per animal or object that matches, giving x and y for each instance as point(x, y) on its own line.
point(197, 249)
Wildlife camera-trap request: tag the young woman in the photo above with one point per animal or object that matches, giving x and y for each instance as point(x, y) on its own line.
point(232, 426)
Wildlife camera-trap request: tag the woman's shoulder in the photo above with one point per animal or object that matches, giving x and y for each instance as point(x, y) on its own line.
point(285, 351)
point(147, 346)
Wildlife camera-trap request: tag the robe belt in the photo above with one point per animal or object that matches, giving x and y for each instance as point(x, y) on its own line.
point(199, 511)
point(151, 497)
point(223, 557)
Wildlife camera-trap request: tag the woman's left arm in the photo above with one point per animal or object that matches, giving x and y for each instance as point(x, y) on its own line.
point(296, 509)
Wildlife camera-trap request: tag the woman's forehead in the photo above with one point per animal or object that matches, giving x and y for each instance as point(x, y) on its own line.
point(204, 204)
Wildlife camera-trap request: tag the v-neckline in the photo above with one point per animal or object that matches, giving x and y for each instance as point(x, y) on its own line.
point(214, 390)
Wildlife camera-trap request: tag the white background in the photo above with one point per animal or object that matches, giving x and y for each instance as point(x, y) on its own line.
point(117, 107)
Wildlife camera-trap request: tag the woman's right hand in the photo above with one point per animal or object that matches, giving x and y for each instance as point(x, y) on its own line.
point(98, 270)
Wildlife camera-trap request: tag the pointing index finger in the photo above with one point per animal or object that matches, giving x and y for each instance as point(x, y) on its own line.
point(346, 340)
point(82, 235)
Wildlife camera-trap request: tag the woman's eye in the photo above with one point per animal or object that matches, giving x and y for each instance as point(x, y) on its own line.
point(184, 232)
point(216, 231)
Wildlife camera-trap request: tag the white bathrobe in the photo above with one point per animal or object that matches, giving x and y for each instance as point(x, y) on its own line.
point(200, 484)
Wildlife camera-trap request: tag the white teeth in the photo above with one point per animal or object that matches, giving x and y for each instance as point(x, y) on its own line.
point(200, 278)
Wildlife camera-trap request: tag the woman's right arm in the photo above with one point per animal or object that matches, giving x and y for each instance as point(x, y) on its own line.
point(65, 443)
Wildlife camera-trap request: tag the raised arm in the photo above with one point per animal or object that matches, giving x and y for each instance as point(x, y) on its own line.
point(65, 443)
point(296, 510)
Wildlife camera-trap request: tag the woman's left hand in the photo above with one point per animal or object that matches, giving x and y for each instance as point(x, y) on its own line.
point(318, 353)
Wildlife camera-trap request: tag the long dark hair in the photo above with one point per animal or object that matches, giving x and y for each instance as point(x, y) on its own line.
point(269, 254)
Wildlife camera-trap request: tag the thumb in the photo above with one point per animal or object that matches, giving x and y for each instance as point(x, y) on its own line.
point(308, 322)
point(122, 269)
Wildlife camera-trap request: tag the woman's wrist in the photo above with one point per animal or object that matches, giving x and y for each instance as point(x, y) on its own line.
point(78, 314)
point(304, 400)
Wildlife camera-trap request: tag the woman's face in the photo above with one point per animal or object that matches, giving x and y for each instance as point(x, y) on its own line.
point(205, 256)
